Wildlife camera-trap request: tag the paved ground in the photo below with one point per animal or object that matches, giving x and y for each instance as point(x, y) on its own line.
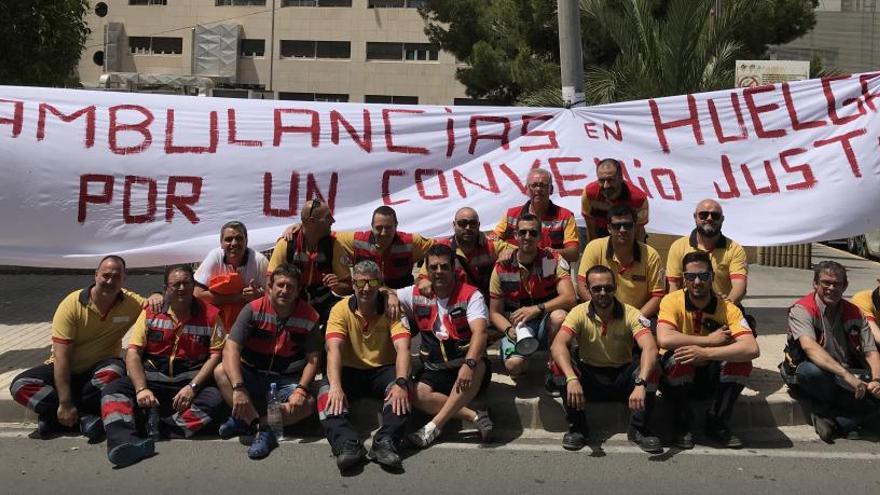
point(27, 302)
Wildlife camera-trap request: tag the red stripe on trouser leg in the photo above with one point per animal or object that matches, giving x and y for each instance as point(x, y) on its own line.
point(736, 372)
point(555, 370)
point(117, 407)
point(677, 373)
point(323, 399)
point(30, 391)
point(191, 420)
point(107, 375)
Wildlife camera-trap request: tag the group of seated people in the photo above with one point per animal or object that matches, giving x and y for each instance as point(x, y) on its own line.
point(330, 318)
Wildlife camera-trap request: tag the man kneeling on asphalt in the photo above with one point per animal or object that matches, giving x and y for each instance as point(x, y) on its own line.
point(367, 356)
point(170, 360)
point(452, 326)
point(831, 356)
point(604, 329)
point(707, 349)
point(276, 339)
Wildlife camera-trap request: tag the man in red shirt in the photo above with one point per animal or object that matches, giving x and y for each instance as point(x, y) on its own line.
point(608, 190)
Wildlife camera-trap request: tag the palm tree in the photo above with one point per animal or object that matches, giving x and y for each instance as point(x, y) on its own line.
point(686, 48)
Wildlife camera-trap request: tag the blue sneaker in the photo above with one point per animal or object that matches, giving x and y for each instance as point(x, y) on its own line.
point(234, 428)
point(127, 454)
point(264, 443)
point(91, 427)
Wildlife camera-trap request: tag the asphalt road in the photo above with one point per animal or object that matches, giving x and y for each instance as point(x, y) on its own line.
point(534, 465)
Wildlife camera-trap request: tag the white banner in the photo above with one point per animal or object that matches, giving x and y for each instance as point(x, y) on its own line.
point(152, 177)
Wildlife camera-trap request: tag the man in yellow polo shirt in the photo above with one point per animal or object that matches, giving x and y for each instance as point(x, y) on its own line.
point(868, 301)
point(605, 329)
point(87, 332)
point(636, 266)
point(728, 258)
point(367, 356)
point(707, 350)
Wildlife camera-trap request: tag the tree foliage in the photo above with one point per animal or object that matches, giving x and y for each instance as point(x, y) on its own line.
point(42, 41)
point(511, 47)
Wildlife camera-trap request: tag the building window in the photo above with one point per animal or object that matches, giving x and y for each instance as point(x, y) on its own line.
point(239, 3)
point(251, 48)
point(316, 3)
point(390, 99)
point(148, 2)
point(395, 4)
point(315, 49)
point(402, 51)
point(331, 97)
point(144, 45)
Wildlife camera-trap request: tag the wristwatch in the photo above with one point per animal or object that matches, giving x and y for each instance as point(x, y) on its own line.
point(238, 386)
point(471, 363)
point(542, 307)
point(195, 386)
point(640, 382)
point(402, 382)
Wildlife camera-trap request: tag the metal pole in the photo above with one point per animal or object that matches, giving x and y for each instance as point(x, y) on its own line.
point(571, 53)
point(272, 52)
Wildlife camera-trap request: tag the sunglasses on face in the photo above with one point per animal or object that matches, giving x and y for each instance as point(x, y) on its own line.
point(468, 223)
point(527, 233)
point(598, 289)
point(361, 283)
point(705, 215)
point(621, 225)
point(704, 276)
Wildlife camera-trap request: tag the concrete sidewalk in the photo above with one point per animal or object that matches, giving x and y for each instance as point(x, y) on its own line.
point(28, 301)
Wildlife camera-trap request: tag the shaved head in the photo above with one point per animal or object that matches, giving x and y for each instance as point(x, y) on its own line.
point(708, 205)
point(466, 212)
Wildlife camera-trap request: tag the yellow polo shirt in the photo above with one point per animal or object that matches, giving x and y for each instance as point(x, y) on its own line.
point(370, 343)
point(637, 282)
point(865, 301)
point(728, 261)
point(94, 336)
point(679, 312)
point(605, 345)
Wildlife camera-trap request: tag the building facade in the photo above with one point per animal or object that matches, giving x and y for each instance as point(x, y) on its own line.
point(372, 51)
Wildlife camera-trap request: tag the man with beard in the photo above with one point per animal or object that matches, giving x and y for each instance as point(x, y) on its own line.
point(87, 332)
point(558, 230)
point(635, 265)
point(276, 339)
point(532, 288)
point(313, 249)
point(831, 357)
point(605, 330)
point(170, 362)
point(452, 326)
point(233, 274)
point(707, 350)
point(474, 253)
point(728, 258)
point(609, 189)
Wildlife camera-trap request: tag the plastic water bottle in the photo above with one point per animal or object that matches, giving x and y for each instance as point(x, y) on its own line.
point(153, 424)
point(274, 412)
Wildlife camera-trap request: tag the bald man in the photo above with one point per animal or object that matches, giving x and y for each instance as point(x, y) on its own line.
point(558, 230)
point(475, 254)
point(313, 249)
point(728, 258)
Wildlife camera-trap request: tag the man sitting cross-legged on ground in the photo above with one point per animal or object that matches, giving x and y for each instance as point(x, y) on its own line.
point(170, 360)
point(707, 349)
point(452, 328)
point(367, 356)
point(276, 339)
point(87, 332)
point(604, 329)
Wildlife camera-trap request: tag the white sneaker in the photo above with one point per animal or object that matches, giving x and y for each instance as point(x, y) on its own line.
point(424, 436)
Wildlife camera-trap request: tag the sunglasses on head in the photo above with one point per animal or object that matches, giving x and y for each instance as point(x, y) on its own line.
point(361, 283)
point(621, 225)
point(704, 215)
point(598, 289)
point(527, 233)
point(467, 223)
point(704, 276)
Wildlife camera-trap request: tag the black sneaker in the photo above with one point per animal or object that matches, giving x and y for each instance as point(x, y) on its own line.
point(720, 434)
point(575, 439)
point(352, 454)
point(550, 385)
point(127, 454)
point(684, 440)
point(47, 428)
point(91, 427)
point(824, 428)
point(384, 452)
point(648, 443)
